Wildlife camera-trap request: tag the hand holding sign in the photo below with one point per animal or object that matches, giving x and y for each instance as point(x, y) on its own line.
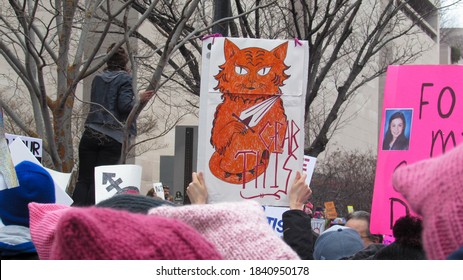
point(300, 192)
point(196, 190)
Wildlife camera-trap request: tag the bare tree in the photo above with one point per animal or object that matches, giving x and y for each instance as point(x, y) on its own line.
point(350, 42)
point(44, 42)
point(347, 178)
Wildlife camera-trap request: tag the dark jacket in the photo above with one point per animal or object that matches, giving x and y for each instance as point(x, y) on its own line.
point(368, 253)
point(401, 143)
point(112, 90)
point(297, 233)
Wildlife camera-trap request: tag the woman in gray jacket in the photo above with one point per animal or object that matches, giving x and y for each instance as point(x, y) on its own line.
point(112, 99)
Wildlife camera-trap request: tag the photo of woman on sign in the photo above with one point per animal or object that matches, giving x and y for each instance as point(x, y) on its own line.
point(397, 133)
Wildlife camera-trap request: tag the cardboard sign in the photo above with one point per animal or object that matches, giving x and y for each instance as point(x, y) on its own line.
point(330, 210)
point(426, 103)
point(113, 179)
point(34, 144)
point(251, 120)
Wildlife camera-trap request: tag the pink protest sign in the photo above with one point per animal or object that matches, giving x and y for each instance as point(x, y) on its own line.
point(422, 118)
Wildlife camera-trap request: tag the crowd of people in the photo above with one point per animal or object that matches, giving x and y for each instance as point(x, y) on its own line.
point(116, 228)
point(130, 225)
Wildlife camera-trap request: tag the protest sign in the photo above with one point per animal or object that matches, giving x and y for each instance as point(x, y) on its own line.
point(425, 102)
point(159, 190)
point(308, 167)
point(251, 121)
point(318, 225)
point(114, 179)
point(330, 210)
point(275, 218)
point(34, 144)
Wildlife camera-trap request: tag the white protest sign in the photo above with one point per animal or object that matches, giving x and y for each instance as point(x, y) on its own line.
point(251, 119)
point(20, 152)
point(318, 225)
point(275, 218)
point(113, 179)
point(308, 167)
point(34, 144)
point(159, 190)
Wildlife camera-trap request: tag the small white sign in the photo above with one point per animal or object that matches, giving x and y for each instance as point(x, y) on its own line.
point(308, 167)
point(33, 144)
point(318, 225)
point(113, 179)
point(159, 190)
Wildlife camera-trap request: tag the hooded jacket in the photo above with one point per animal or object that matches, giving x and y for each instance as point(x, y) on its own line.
point(111, 96)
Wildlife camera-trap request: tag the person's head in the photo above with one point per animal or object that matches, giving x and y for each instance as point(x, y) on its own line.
point(92, 233)
point(128, 190)
point(397, 124)
point(118, 61)
point(134, 203)
point(233, 227)
point(407, 245)
point(360, 221)
point(151, 193)
point(166, 191)
point(336, 243)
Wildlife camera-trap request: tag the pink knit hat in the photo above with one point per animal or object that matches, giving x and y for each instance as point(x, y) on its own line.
point(43, 221)
point(434, 190)
point(238, 230)
point(104, 234)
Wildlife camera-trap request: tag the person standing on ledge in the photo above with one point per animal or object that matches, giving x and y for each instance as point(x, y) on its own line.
point(112, 99)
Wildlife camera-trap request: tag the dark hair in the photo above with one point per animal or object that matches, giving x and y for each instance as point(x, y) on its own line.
point(151, 193)
point(401, 138)
point(407, 245)
point(118, 61)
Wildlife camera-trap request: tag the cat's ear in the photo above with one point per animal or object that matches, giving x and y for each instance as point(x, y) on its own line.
point(280, 51)
point(229, 49)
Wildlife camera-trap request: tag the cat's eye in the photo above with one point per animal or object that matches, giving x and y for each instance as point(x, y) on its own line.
point(264, 71)
point(240, 70)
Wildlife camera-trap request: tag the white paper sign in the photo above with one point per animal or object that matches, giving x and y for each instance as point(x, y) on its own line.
point(318, 225)
point(308, 167)
point(159, 190)
point(112, 179)
point(33, 144)
point(251, 127)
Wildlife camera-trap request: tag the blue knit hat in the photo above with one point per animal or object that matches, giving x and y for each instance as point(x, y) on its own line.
point(35, 185)
point(336, 243)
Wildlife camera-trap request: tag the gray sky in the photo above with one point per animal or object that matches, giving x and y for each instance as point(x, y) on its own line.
point(455, 14)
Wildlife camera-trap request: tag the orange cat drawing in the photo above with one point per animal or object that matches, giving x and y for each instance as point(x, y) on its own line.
point(250, 123)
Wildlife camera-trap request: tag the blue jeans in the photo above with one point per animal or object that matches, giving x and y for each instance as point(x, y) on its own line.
point(95, 149)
